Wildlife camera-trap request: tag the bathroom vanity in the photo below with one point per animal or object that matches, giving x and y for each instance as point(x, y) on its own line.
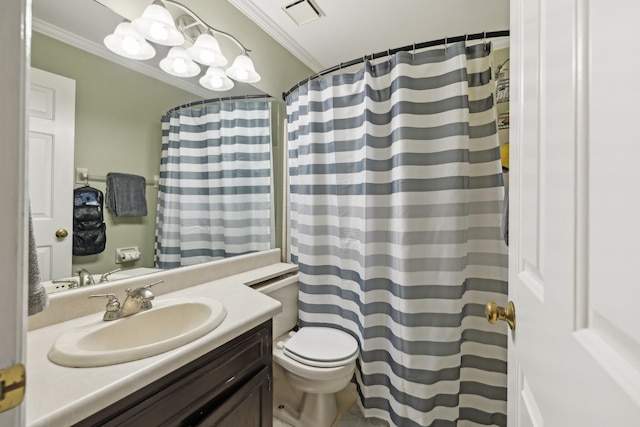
point(222, 378)
point(230, 386)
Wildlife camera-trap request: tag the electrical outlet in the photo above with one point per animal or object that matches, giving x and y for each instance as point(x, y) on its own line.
point(52, 288)
point(82, 175)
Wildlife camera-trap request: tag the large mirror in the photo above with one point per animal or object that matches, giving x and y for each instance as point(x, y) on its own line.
point(119, 104)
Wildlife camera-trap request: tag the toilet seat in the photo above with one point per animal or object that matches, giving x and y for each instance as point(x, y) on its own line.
point(321, 347)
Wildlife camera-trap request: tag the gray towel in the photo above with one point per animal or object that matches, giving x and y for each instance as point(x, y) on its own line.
point(504, 227)
point(38, 297)
point(126, 194)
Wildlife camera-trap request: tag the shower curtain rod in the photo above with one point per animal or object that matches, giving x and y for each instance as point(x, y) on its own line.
point(222, 98)
point(438, 42)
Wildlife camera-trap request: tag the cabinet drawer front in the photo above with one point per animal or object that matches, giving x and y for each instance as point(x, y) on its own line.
point(243, 408)
point(239, 363)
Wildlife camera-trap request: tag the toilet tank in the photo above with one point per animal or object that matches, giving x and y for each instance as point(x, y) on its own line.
point(285, 291)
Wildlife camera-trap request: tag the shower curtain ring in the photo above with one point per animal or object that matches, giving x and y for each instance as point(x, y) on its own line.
point(445, 44)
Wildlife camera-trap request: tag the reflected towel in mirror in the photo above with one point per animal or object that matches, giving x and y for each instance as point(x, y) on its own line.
point(38, 297)
point(126, 194)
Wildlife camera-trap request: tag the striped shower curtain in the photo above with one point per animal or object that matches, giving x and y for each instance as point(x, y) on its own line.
point(214, 197)
point(396, 194)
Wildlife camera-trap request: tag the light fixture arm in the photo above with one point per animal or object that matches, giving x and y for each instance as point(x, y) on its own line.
point(214, 31)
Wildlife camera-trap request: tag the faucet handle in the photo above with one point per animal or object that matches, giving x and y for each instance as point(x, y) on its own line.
point(149, 294)
point(104, 276)
point(140, 289)
point(153, 284)
point(113, 306)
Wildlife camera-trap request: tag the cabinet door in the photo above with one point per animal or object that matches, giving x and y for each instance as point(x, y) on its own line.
point(250, 406)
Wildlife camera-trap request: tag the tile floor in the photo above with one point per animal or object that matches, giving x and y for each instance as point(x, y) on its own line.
point(349, 414)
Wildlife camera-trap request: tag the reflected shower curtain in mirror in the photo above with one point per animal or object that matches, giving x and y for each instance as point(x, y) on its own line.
point(214, 196)
point(395, 211)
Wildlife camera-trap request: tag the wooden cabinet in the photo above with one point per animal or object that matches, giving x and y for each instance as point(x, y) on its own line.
point(230, 386)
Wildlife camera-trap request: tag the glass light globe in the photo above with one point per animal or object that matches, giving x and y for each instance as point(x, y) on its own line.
point(156, 24)
point(216, 79)
point(125, 41)
point(131, 45)
point(206, 51)
point(158, 32)
point(243, 70)
point(179, 66)
point(242, 75)
point(177, 63)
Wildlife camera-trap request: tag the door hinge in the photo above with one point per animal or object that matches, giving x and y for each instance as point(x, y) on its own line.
point(12, 386)
point(269, 379)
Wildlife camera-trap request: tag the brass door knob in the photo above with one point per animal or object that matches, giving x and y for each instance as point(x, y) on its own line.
point(61, 233)
point(495, 313)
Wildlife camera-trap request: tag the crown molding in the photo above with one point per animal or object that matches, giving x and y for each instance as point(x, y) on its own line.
point(254, 13)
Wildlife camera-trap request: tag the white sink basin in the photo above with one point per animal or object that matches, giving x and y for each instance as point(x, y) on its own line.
point(169, 324)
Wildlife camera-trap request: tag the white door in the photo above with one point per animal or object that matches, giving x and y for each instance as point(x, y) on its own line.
point(13, 244)
point(50, 163)
point(574, 357)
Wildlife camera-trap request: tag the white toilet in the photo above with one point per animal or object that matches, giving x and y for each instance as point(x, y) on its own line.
point(318, 362)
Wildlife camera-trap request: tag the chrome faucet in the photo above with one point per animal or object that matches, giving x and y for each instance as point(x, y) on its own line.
point(85, 278)
point(105, 276)
point(137, 300)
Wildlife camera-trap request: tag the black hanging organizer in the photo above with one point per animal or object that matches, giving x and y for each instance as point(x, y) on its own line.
point(89, 229)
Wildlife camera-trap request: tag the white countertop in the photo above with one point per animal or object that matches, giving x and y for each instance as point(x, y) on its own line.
point(61, 396)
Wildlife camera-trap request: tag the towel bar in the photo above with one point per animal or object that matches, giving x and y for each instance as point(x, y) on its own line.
point(83, 177)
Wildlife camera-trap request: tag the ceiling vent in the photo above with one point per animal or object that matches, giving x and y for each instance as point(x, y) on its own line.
point(303, 11)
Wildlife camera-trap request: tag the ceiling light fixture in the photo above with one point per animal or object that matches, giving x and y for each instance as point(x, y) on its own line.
point(192, 40)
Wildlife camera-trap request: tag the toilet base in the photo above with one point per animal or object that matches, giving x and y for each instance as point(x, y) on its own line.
point(316, 410)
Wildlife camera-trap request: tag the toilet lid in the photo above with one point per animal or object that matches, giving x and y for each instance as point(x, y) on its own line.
point(321, 347)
